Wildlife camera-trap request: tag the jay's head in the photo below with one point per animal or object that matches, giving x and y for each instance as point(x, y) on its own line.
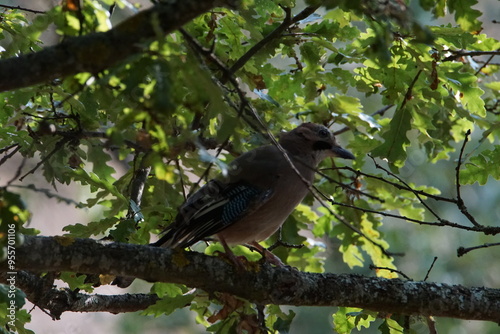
point(315, 139)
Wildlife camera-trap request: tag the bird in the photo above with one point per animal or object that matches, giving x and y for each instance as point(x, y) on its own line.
point(261, 189)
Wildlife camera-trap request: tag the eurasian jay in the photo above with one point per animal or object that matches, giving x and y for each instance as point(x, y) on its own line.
point(260, 191)
point(258, 194)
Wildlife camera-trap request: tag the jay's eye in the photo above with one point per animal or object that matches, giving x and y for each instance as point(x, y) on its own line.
point(324, 133)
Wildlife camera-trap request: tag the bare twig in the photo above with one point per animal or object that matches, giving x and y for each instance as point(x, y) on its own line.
point(407, 187)
point(430, 268)
point(47, 193)
point(443, 222)
point(280, 242)
point(361, 233)
point(352, 190)
point(462, 251)
point(462, 53)
point(402, 187)
point(9, 155)
point(380, 112)
point(59, 145)
point(178, 166)
point(372, 267)
point(23, 9)
point(486, 63)
point(460, 202)
point(410, 89)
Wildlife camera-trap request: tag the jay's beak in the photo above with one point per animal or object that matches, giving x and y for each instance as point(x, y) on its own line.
point(342, 153)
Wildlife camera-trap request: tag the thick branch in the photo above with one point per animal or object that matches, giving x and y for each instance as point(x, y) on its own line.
point(41, 293)
point(266, 285)
point(98, 51)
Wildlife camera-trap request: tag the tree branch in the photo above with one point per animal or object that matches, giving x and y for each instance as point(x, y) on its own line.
point(268, 285)
point(56, 301)
point(455, 54)
point(23, 9)
point(98, 51)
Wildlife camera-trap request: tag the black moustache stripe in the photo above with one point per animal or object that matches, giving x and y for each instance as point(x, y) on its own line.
point(321, 146)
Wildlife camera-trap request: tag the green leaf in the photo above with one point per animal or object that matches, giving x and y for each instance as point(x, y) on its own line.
point(98, 157)
point(348, 318)
point(395, 140)
point(465, 15)
point(76, 281)
point(167, 289)
point(480, 167)
point(452, 36)
point(93, 228)
point(465, 84)
point(167, 305)
point(390, 326)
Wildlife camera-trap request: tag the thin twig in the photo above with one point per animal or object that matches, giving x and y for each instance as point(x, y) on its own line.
point(461, 53)
point(407, 187)
point(178, 166)
point(430, 268)
point(5, 149)
point(409, 91)
point(23, 9)
point(57, 147)
point(380, 112)
point(372, 267)
point(9, 155)
point(485, 229)
point(486, 63)
point(226, 75)
point(460, 202)
point(362, 234)
point(462, 250)
point(280, 242)
point(48, 193)
point(402, 187)
point(352, 190)
point(78, 91)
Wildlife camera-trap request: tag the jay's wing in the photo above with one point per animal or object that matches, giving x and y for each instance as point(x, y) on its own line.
point(210, 210)
point(218, 204)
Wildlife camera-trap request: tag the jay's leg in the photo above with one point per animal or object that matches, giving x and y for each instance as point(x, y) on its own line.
point(230, 255)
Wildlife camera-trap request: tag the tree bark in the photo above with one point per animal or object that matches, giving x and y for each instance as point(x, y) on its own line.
point(98, 51)
point(262, 284)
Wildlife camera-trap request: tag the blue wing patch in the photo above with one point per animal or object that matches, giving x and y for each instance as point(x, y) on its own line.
point(240, 198)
